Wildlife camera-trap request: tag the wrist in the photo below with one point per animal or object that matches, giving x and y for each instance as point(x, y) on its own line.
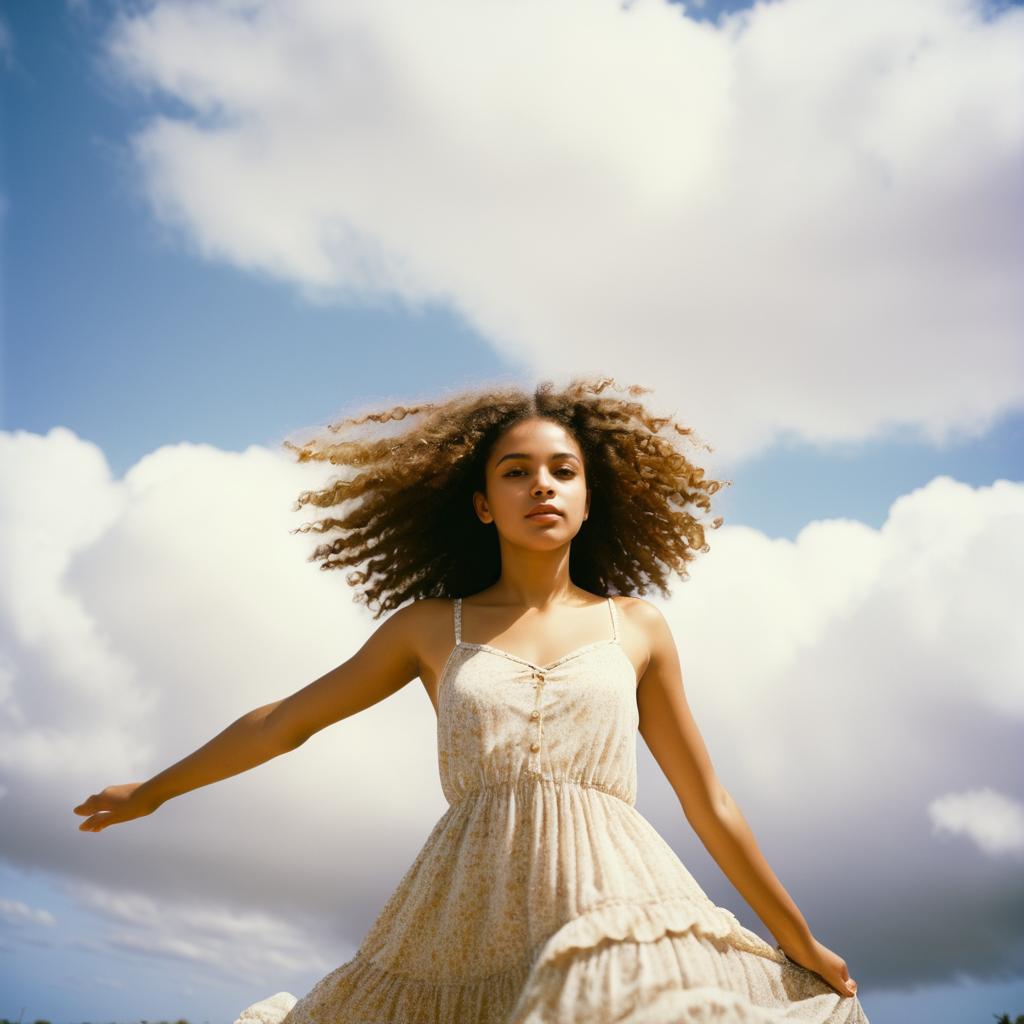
point(794, 937)
point(151, 793)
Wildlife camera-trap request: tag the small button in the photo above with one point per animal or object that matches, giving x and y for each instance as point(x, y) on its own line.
point(535, 714)
point(535, 746)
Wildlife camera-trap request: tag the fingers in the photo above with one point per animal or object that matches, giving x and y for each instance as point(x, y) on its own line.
point(104, 801)
point(85, 807)
point(851, 985)
point(848, 986)
point(90, 804)
point(839, 980)
point(97, 822)
point(98, 814)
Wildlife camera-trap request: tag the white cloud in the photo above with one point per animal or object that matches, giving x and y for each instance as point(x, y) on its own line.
point(245, 944)
point(992, 821)
point(840, 680)
point(809, 206)
point(18, 913)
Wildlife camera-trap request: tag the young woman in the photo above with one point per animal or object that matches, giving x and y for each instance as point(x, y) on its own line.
point(518, 527)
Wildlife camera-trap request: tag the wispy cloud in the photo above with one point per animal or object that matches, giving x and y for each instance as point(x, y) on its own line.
point(221, 940)
point(17, 913)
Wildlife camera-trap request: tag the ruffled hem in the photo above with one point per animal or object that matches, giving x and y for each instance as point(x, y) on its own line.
point(363, 990)
point(672, 961)
point(647, 920)
point(717, 1006)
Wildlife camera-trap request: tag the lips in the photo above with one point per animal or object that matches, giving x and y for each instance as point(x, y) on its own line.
point(541, 510)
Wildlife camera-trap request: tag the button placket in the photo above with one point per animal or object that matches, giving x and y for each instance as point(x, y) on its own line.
point(535, 714)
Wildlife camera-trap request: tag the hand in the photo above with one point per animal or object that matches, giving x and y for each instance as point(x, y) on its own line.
point(829, 966)
point(114, 805)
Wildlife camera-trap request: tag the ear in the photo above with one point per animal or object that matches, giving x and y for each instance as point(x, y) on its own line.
point(480, 507)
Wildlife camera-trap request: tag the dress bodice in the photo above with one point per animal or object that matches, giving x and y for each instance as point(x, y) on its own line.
point(502, 719)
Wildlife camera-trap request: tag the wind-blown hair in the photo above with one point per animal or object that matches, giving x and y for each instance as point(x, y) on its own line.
point(414, 526)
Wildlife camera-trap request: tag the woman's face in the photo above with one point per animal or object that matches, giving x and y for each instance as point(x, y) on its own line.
point(535, 462)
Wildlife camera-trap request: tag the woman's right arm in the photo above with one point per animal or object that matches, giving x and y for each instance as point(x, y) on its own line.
point(384, 664)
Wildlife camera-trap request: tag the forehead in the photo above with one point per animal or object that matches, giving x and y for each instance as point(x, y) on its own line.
point(536, 438)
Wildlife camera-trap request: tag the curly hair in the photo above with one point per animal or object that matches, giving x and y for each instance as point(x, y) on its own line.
point(414, 524)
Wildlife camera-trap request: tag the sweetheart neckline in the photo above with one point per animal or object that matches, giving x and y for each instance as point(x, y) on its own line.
point(530, 664)
point(507, 654)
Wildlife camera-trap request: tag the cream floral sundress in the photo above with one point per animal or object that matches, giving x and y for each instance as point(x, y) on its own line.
point(542, 895)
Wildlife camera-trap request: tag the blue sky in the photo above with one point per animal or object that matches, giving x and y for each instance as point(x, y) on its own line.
point(134, 319)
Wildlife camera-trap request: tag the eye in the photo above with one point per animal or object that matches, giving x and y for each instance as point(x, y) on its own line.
point(562, 469)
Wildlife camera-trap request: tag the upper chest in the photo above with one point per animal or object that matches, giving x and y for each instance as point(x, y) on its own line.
point(552, 658)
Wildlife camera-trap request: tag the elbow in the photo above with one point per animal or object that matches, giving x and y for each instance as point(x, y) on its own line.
point(722, 804)
point(284, 740)
point(708, 807)
point(720, 799)
point(293, 742)
point(277, 733)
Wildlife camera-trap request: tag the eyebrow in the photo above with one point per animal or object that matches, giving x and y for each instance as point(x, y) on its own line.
point(525, 455)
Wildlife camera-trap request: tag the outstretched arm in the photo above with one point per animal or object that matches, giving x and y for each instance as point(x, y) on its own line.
point(669, 730)
point(384, 664)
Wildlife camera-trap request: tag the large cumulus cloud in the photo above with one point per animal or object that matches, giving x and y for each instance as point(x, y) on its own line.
point(800, 219)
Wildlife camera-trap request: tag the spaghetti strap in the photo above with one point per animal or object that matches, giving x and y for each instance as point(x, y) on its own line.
point(615, 621)
point(458, 621)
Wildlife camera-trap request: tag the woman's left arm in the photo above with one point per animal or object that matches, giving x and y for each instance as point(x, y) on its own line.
point(670, 732)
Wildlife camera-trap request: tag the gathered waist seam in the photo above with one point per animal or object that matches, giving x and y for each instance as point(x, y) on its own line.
point(530, 779)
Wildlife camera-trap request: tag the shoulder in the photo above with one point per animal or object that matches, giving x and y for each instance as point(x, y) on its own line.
point(416, 623)
point(424, 611)
point(645, 616)
point(647, 623)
